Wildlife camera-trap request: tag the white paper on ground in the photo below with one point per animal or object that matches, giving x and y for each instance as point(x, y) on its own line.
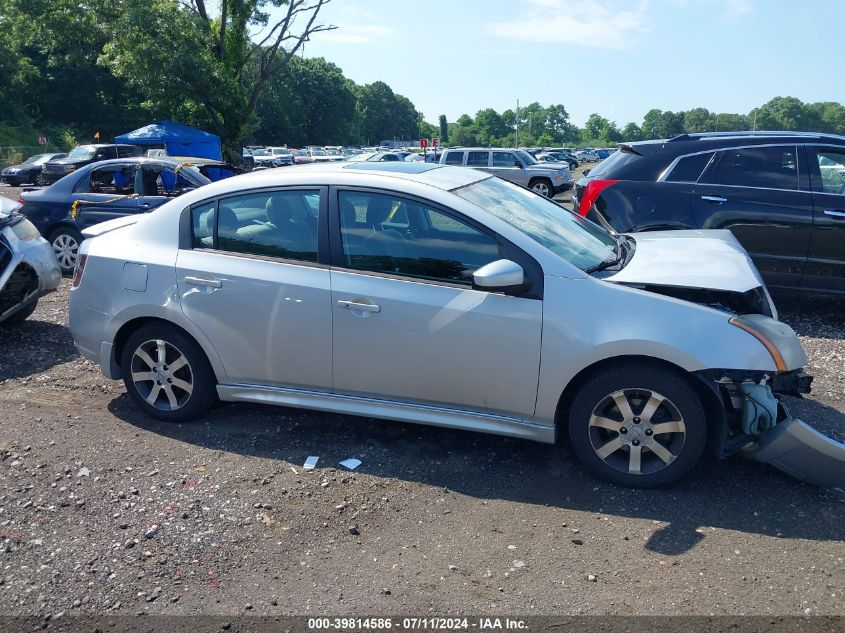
point(310, 462)
point(351, 463)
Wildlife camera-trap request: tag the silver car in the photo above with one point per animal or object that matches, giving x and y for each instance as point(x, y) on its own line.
point(515, 165)
point(444, 296)
point(28, 266)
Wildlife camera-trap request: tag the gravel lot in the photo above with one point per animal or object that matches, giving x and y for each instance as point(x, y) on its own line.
point(103, 511)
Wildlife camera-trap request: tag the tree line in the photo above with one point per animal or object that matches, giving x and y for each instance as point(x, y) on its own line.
point(72, 67)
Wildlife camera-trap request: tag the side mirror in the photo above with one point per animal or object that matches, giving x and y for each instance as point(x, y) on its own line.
point(586, 172)
point(502, 274)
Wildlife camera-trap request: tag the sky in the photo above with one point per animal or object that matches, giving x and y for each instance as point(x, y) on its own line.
point(619, 58)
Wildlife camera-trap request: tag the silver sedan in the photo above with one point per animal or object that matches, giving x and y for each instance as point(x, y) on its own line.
point(444, 296)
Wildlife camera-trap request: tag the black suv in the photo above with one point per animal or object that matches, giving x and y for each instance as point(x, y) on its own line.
point(782, 194)
point(82, 155)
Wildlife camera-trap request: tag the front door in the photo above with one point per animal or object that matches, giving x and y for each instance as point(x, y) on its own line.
point(105, 193)
point(507, 166)
point(408, 326)
point(251, 281)
point(826, 259)
point(762, 195)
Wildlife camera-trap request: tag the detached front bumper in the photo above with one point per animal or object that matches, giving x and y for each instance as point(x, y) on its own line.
point(802, 452)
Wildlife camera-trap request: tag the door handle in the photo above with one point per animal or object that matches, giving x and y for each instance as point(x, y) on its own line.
point(145, 205)
point(834, 213)
point(718, 199)
point(354, 305)
point(199, 281)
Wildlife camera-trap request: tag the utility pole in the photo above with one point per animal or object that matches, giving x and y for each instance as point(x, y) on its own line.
point(516, 138)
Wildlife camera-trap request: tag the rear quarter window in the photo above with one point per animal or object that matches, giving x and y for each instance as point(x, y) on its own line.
point(689, 169)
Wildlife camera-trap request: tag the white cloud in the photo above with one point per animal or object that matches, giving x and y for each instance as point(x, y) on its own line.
point(599, 23)
point(364, 34)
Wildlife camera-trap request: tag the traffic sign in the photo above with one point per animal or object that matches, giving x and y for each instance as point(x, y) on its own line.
point(435, 142)
point(423, 142)
point(42, 140)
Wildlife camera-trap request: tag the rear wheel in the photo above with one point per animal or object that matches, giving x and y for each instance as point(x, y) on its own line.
point(543, 186)
point(167, 374)
point(641, 425)
point(65, 242)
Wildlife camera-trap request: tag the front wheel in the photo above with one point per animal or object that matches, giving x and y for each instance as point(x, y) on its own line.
point(66, 242)
point(542, 186)
point(639, 425)
point(167, 374)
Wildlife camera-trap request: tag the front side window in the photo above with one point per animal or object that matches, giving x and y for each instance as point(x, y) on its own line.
point(768, 167)
point(454, 158)
point(83, 152)
point(503, 159)
point(689, 169)
point(566, 234)
point(273, 224)
point(118, 180)
point(165, 181)
point(391, 234)
point(832, 167)
point(477, 159)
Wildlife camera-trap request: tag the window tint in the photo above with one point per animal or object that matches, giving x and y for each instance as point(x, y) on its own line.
point(689, 169)
point(503, 159)
point(384, 233)
point(275, 224)
point(832, 167)
point(202, 221)
point(771, 167)
point(454, 158)
point(477, 159)
point(118, 180)
point(125, 152)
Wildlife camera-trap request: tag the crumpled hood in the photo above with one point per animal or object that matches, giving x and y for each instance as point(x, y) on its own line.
point(697, 259)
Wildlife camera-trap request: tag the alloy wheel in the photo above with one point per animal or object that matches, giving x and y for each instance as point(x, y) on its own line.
point(637, 431)
point(542, 188)
point(66, 248)
point(162, 375)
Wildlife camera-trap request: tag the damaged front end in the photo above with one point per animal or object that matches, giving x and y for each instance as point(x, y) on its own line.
point(760, 427)
point(28, 267)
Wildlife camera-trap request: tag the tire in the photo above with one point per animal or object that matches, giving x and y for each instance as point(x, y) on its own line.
point(543, 186)
point(160, 390)
point(21, 315)
point(664, 425)
point(66, 242)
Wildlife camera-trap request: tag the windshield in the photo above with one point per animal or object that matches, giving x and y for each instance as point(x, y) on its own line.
point(317, 152)
point(575, 239)
point(260, 152)
point(280, 150)
point(35, 160)
point(527, 158)
point(83, 151)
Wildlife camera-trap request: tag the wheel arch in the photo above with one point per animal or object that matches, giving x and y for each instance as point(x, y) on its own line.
point(132, 325)
point(714, 410)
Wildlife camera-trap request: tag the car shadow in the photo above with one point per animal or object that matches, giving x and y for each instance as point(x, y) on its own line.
point(32, 347)
point(734, 494)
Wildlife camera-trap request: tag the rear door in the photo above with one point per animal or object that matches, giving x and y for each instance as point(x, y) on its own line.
point(105, 193)
point(826, 259)
point(762, 195)
point(250, 277)
point(159, 183)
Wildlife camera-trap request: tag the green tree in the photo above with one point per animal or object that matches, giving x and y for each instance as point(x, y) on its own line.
point(632, 132)
point(698, 120)
point(204, 69)
point(444, 130)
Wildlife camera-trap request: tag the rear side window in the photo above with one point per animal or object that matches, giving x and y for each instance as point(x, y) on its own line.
point(477, 159)
point(454, 158)
point(118, 180)
point(275, 224)
point(613, 163)
point(767, 167)
point(689, 169)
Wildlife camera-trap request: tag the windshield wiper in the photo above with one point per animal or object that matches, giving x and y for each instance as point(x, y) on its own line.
point(620, 252)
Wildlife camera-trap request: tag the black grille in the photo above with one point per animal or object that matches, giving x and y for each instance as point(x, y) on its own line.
point(5, 256)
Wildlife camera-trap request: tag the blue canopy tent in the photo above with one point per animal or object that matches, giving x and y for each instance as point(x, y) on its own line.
point(178, 139)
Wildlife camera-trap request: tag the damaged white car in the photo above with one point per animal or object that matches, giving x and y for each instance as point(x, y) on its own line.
point(441, 295)
point(28, 266)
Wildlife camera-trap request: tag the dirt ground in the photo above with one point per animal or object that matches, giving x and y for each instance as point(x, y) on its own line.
point(105, 511)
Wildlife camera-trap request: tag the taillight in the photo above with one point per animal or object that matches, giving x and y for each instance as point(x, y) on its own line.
point(591, 193)
point(21, 201)
point(78, 271)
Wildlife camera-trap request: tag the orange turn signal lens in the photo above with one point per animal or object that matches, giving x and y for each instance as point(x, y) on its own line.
point(776, 355)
